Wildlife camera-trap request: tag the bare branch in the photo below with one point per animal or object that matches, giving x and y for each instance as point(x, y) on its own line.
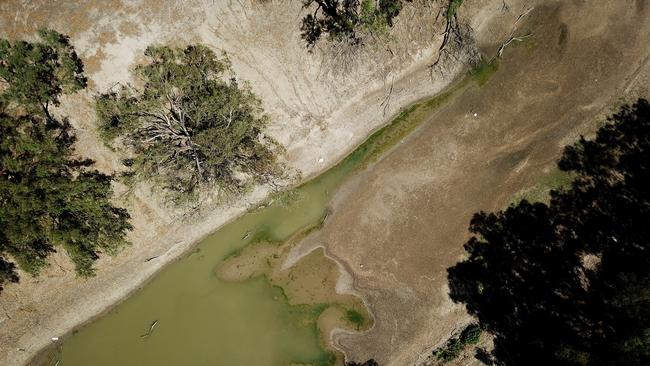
point(511, 37)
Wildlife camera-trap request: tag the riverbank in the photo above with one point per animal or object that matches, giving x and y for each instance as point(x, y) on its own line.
point(268, 235)
point(317, 130)
point(399, 225)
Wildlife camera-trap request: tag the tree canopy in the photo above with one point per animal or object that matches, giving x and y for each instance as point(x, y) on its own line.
point(49, 197)
point(188, 128)
point(36, 74)
point(346, 19)
point(370, 362)
point(568, 283)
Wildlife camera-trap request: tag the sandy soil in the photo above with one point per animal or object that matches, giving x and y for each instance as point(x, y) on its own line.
point(322, 104)
point(400, 224)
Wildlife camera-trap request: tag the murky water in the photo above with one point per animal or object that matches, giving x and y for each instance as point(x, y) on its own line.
point(201, 320)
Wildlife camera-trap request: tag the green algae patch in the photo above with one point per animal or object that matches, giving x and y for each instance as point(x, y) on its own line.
point(483, 71)
point(355, 317)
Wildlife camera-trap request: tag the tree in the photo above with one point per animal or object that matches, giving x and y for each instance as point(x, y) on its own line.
point(36, 74)
point(48, 197)
point(370, 362)
point(344, 19)
point(186, 127)
point(569, 283)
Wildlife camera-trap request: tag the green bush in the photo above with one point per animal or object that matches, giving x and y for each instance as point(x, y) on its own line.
point(469, 336)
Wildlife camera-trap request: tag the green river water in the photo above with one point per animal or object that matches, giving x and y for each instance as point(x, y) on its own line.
point(202, 320)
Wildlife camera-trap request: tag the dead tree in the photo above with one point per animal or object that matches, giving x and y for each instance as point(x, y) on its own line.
point(511, 37)
point(451, 35)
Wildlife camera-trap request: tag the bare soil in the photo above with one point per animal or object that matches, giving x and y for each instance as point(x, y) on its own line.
point(398, 226)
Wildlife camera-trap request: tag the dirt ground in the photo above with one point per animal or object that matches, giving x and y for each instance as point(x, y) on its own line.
point(399, 225)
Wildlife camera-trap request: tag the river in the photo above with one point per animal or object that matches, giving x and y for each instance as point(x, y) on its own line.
point(186, 315)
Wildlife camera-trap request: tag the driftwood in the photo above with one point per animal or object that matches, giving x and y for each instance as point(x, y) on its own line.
point(153, 325)
point(511, 38)
point(151, 258)
point(452, 31)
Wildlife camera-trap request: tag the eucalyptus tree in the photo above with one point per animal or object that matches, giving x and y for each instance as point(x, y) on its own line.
point(347, 19)
point(50, 197)
point(568, 283)
point(35, 74)
point(189, 126)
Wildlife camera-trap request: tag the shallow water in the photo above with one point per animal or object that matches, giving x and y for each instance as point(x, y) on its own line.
point(201, 320)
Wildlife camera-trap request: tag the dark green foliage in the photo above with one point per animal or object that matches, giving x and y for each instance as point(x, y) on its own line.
point(568, 283)
point(370, 362)
point(52, 199)
point(469, 336)
point(48, 198)
point(37, 73)
point(345, 19)
point(187, 127)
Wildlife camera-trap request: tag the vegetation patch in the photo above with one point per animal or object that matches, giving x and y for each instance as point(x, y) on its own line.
point(354, 317)
point(49, 197)
point(188, 129)
point(541, 192)
point(348, 21)
point(483, 71)
point(469, 336)
point(452, 8)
